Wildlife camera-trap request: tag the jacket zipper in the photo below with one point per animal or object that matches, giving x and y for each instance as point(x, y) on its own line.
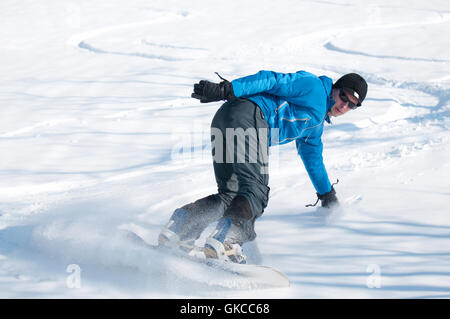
point(280, 106)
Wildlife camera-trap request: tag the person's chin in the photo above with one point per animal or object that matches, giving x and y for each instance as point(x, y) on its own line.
point(337, 113)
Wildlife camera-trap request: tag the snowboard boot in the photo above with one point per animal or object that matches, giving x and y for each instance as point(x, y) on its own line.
point(232, 231)
point(223, 245)
point(170, 234)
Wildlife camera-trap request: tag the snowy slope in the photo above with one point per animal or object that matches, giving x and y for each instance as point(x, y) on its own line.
point(98, 133)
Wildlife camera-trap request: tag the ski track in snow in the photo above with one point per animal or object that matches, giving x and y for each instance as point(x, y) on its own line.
point(41, 220)
point(332, 47)
point(80, 40)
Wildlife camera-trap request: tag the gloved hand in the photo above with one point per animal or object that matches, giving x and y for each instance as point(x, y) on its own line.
point(207, 91)
point(329, 199)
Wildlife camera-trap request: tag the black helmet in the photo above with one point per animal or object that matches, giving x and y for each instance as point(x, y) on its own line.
point(354, 84)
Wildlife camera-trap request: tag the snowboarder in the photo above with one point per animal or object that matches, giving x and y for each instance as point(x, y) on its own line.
point(263, 109)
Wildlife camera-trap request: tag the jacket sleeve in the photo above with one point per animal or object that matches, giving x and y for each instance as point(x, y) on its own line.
point(280, 84)
point(310, 151)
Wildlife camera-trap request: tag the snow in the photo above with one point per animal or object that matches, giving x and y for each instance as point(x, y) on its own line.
point(98, 134)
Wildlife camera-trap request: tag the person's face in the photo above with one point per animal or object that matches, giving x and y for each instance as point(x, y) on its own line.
point(340, 107)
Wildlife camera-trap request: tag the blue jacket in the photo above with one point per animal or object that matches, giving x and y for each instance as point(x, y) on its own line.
point(297, 105)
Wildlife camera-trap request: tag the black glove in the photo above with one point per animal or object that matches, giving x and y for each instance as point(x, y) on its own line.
point(207, 91)
point(329, 199)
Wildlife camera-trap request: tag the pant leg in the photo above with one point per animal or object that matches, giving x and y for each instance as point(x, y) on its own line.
point(239, 132)
point(197, 216)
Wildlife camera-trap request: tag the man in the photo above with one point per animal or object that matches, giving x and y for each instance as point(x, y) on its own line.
point(265, 106)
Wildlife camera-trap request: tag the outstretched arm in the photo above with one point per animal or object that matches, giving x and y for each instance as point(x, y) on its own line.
point(280, 84)
point(310, 151)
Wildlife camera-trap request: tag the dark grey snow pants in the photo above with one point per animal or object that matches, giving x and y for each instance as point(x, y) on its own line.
point(239, 141)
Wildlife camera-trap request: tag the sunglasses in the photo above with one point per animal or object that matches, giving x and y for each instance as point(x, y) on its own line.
point(345, 99)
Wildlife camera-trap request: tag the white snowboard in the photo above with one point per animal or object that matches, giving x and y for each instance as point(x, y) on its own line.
point(263, 275)
point(259, 274)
